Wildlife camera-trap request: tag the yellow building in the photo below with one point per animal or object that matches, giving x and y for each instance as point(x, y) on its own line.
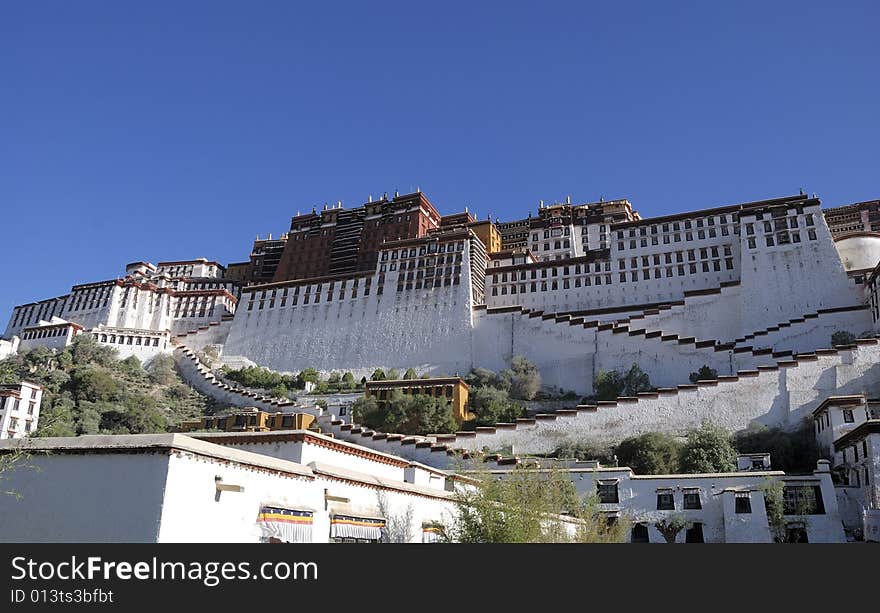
point(488, 233)
point(251, 420)
point(454, 389)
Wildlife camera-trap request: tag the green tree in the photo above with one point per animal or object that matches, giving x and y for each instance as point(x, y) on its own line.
point(842, 337)
point(427, 415)
point(88, 390)
point(608, 385)
point(94, 383)
point(708, 450)
point(161, 370)
point(307, 375)
point(529, 506)
point(348, 381)
point(378, 375)
point(491, 405)
point(772, 490)
point(585, 450)
point(280, 391)
point(670, 525)
point(405, 414)
point(334, 379)
point(793, 451)
point(481, 377)
point(705, 373)
point(393, 374)
point(131, 366)
point(652, 453)
point(524, 378)
point(635, 381)
point(409, 374)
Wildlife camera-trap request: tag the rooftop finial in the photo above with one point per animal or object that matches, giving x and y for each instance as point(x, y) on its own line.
point(568, 200)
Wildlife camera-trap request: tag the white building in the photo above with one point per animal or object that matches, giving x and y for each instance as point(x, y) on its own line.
point(174, 488)
point(173, 298)
point(19, 409)
point(55, 334)
point(717, 507)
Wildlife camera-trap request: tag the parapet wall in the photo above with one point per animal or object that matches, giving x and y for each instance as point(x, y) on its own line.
point(781, 393)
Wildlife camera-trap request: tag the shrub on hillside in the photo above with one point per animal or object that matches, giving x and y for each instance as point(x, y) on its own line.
point(88, 390)
point(703, 374)
point(405, 414)
point(795, 452)
point(842, 337)
point(652, 453)
point(708, 449)
point(609, 385)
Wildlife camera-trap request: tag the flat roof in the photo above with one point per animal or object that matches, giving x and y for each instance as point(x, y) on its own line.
point(298, 436)
point(802, 199)
point(872, 426)
point(104, 444)
point(417, 381)
point(850, 400)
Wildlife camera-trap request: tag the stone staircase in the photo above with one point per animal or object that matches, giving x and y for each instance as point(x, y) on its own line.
point(200, 377)
point(811, 329)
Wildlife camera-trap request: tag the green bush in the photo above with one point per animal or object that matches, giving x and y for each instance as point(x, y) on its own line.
point(708, 449)
point(653, 453)
point(609, 385)
point(795, 452)
point(491, 405)
point(842, 337)
point(523, 379)
point(585, 450)
point(405, 414)
point(530, 507)
point(88, 390)
point(703, 374)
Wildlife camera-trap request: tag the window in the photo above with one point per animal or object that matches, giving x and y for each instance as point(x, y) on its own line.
point(608, 492)
point(639, 534)
point(743, 502)
point(802, 500)
point(796, 533)
point(848, 416)
point(694, 533)
point(692, 499)
point(665, 501)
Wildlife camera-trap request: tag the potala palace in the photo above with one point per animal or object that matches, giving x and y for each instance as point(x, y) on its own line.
point(754, 291)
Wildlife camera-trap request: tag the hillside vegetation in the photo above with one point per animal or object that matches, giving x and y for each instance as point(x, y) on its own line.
point(88, 390)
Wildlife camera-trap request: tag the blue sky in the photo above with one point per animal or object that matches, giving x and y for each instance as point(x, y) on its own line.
point(173, 130)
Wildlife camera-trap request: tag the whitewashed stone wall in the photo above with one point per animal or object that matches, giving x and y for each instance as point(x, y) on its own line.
point(286, 446)
point(785, 281)
point(153, 486)
point(775, 395)
point(720, 523)
point(429, 330)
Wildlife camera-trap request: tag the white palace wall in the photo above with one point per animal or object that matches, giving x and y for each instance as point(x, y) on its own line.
point(782, 281)
point(437, 331)
point(426, 329)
